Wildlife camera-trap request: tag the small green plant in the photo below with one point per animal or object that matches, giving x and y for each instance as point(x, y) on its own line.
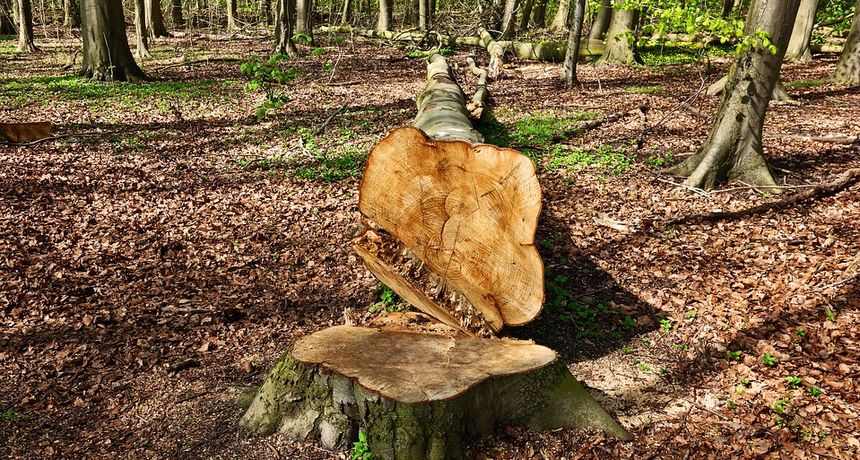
point(10, 415)
point(659, 161)
point(360, 448)
point(805, 83)
point(268, 77)
point(317, 52)
point(779, 406)
point(692, 315)
point(814, 391)
point(389, 301)
point(793, 381)
point(769, 360)
point(734, 355)
point(342, 162)
point(800, 332)
point(628, 350)
point(666, 325)
point(731, 404)
point(645, 89)
point(829, 314)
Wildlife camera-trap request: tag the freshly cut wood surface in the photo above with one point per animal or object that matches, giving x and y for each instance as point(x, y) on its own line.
point(469, 212)
point(413, 367)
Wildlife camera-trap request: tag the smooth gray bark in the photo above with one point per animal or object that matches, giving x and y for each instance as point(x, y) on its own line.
point(848, 69)
point(142, 49)
point(155, 20)
point(559, 22)
point(72, 18)
point(573, 39)
point(385, 10)
point(284, 20)
point(601, 21)
point(107, 56)
point(346, 12)
point(304, 19)
point(801, 34)
point(509, 16)
point(425, 15)
point(619, 49)
point(25, 27)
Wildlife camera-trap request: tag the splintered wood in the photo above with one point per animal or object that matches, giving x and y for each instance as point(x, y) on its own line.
point(456, 229)
point(413, 367)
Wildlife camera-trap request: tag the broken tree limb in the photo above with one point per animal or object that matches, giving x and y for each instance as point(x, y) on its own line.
point(476, 105)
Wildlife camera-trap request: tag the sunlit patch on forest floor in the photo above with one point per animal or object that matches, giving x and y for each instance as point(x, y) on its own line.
point(180, 228)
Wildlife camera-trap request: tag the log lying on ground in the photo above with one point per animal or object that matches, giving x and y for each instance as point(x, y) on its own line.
point(449, 225)
point(417, 396)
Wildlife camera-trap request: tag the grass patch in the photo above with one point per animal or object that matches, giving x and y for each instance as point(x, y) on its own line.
point(674, 53)
point(342, 162)
point(592, 319)
point(605, 158)
point(534, 133)
point(645, 89)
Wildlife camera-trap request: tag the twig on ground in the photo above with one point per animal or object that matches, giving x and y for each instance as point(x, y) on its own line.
point(328, 120)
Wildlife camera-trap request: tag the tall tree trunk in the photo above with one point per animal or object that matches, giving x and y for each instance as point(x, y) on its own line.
point(142, 50)
point(72, 18)
point(231, 14)
point(619, 49)
point(559, 23)
point(848, 69)
point(25, 27)
point(284, 20)
point(385, 8)
point(346, 13)
point(7, 18)
point(509, 17)
point(176, 13)
point(155, 20)
point(304, 20)
point(540, 14)
point(733, 149)
point(573, 37)
point(411, 12)
point(425, 15)
point(526, 15)
point(107, 56)
point(728, 6)
point(601, 21)
point(798, 46)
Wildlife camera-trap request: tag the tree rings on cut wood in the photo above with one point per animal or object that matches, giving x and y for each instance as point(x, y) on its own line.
point(412, 367)
point(468, 214)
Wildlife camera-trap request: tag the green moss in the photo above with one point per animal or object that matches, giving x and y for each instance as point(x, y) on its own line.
point(645, 89)
point(605, 158)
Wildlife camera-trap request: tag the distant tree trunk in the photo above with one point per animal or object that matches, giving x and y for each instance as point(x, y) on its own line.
point(540, 14)
point(729, 6)
point(7, 23)
point(142, 50)
point(72, 19)
point(798, 46)
point(155, 20)
point(231, 14)
point(733, 149)
point(385, 8)
point(304, 20)
point(601, 21)
point(848, 69)
point(107, 56)
point(411, 12)
point(176, 13)
point(509, 17)
point(526, 15)
point(346, 13)
point(573, 38)
point(25, 27)
point(619, 49)
point(425, 15)
point(559, 23)
point(284, 20)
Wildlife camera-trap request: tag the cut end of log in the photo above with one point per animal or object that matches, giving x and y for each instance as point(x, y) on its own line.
point(466, 217)
point(25, 132)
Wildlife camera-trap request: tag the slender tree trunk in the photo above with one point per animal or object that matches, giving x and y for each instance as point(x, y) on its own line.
point(411, 12)
point(728, 6)
point(798, 46)
point(509, 17)
point(559, 23)
point(425, 15)
point(540, 14)
point(284, 20)
point(733, 149)
point(176, 13)
point(848, 69)
point(526, 15)
point(346, 13)
point(619, 49)
point(107, 56)
point(304, 20)
point(573, 37)
point(385, 9)
point(231, 14)
point(25, 27)
point(601, 21)
point(142, 50)
point(155, 20)
point(7, 21)
point(72, 19)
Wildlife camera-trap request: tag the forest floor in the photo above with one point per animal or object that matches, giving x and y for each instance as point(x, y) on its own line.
point(153, 267)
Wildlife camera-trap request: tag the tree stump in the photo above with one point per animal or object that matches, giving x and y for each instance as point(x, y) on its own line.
point(449, 226)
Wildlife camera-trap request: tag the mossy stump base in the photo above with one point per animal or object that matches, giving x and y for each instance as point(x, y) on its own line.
point(392, 385)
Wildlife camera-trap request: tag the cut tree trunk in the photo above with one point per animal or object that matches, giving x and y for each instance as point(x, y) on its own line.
point(559, 22)
point(733, 149)
point(573, 39)
point(107, 56)
point(619, 47)
point(449, 225)
point(601, 21)
point(848, 69)
point(155, 20)
point(801, 34)
point(25, 27)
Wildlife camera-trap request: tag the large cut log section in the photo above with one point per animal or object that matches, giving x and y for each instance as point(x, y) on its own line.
point(449, 224)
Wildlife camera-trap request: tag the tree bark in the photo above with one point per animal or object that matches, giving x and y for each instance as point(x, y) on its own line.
point(425, 15)
point(601, 21)
point(526, 15)
point(572, 53)
point(509, 16)
point(7, 22)
point(559, 22)
point(107, 56)
point(142, 49)
point(176, 13)
point(72, 18)
point(304, 20)
point(25, 27)
point(848, 69)
point(385, 9)
point(733, 149)
point(284, 20)
point(231, 14)
point(155, 20)
point(619, 49)
point(801, 34)
point(540, 14)
point(346, 12)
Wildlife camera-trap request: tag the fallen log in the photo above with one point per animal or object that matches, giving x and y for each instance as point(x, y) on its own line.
point(449, 225)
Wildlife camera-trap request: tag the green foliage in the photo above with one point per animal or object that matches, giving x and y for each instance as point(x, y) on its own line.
point(806, 83)
point(734, 355)
point(268, 77)
point(836, 15)
point(769, 360)
point(645, 89)
point(360, 448)
point(779, 406)
point(605, 158)
point(389, 301)
point(10, 415)
point(793, 381)
point(829, 314)
point(342, 162)
point(424, 54)
point(317, 52)
point(814, 391)
point(666, 325)
point(537, 130)
point(304, 39)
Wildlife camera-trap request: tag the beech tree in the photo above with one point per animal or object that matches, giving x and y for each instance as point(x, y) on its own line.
point(619, 47)
point(559, 22)
point(107, 56)
point(601, 22)
point(798, 47)
point(142, 48)
point(155, 20)
point(304, 19)
point(72, 18)
point(848, 69)
point(284, 19)
point(572, 53)
point(25, 27)
point(385, 9)
point(733, 149)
